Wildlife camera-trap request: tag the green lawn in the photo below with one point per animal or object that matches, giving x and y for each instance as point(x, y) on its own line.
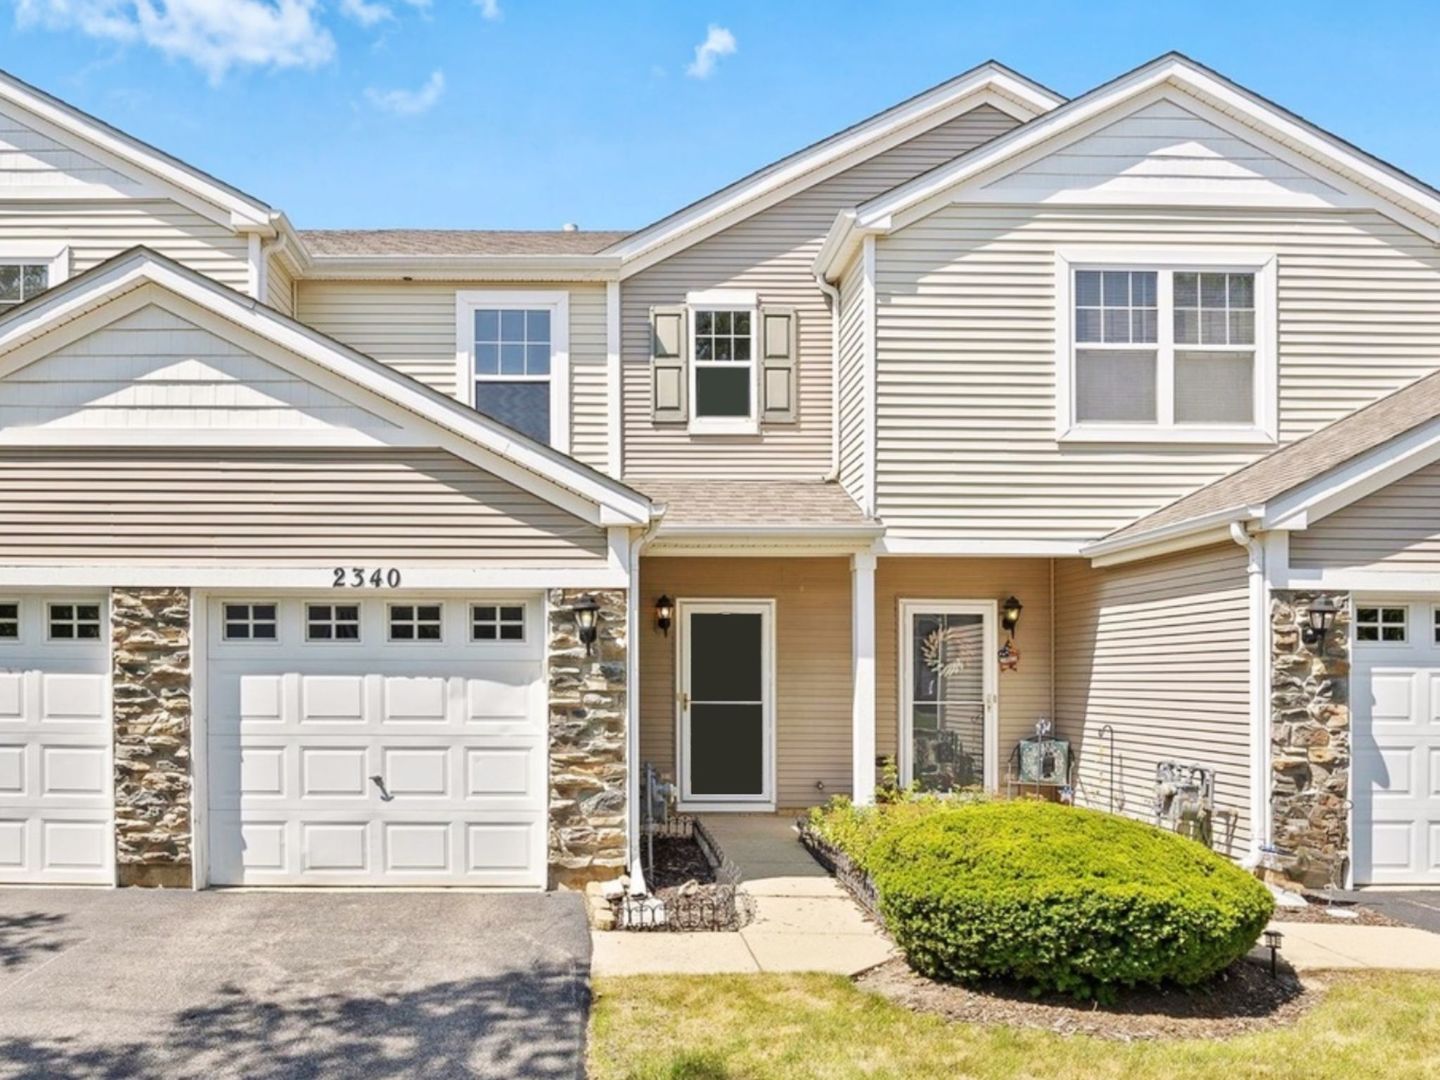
point(784, 1027)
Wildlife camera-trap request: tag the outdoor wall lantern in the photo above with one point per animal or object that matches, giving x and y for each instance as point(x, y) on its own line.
point(1322, 618)
point(1010, 615)
point(664, 614)
point(587, 616)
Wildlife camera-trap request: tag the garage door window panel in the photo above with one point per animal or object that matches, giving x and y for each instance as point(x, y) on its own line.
point(332, 622)
point(251, 622)
point(1382, 625)
point(73, 622)
point(415, 622)
point(497, 622)
point(9, 621)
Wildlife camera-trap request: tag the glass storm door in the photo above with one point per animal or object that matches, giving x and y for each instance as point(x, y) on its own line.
point(725, 702)
point(948, 703)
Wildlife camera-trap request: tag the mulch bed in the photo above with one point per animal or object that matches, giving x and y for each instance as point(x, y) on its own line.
point(1243, 999)
point(1315, 912)
point(678, 862)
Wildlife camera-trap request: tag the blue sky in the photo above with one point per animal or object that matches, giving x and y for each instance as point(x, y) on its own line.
point(522, 114)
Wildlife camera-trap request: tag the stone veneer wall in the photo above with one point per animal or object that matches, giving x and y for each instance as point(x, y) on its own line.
point(588, 775)
point(150, 667)
point(1309, 743)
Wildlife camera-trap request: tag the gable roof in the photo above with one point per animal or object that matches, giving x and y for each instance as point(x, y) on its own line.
point(531, 465)
point(114, 147)
point(1407, 199)
point(990, 82)
point(1295, 485)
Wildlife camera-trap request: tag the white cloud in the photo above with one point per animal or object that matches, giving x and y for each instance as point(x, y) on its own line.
point(718, 42)
point(490, 9)
point(214, 35)
point(409, 102)
point(364, 12)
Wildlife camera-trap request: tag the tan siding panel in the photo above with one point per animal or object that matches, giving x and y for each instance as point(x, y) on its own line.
point(1024, 694)
point(1396, 529)
point(95, 231)
point(280, 287)
point(966, 368)
point(772, 253)
point(1159, 651)
point(31, 159)
point(291, 506)
point(813, 686)
point(853, 418)
point(411, 327)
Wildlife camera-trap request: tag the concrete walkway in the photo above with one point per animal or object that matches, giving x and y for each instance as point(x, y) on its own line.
point(804, 920)
point(1327, 946)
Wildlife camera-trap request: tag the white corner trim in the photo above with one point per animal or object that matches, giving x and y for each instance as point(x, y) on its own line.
point(1167, 260)
point(870, 375)
point(255, 257)
point(614, 384)
point(1259, 617)
point(557, 302)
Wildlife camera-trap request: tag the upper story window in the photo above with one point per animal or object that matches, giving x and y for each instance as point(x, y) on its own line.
point(21, 281)
point(723, 372)
point(513, 351)
point(1167, 349)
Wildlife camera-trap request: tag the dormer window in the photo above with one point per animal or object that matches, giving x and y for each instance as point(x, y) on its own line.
point(1159, 349)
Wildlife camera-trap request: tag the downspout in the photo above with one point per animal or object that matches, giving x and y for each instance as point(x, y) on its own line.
point(834, 294)
point(1259, 698)
point(632, 697)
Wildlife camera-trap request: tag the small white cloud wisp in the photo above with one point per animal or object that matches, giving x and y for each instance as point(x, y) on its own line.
point(490, 9)
point(214, 35)
point(718, 42)
point(409, 102)
point(365, 12)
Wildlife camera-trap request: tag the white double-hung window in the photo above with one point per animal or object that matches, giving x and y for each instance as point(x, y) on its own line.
point(513, 362)
point(1166, 347)
point(724, 387)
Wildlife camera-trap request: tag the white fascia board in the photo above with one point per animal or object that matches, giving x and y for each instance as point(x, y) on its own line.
point(731, 532)
point(921, 546)
point(559, 268)
point(1185, 530)
point(116, 149)
point(1303, 506)
point(926, 192)
point(989, 84)
point(532, 463)
point(597, 575)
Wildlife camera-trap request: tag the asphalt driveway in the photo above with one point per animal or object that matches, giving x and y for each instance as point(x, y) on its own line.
point(101, 983)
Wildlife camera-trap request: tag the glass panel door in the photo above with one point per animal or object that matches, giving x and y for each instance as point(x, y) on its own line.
point(724, 711)
point(947, 697)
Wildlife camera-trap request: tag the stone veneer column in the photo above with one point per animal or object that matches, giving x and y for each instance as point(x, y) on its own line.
point(588, 774)
point(150, 669)
point(1309, 743)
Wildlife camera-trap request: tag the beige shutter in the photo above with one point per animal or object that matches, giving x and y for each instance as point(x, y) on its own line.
point(778, 346)
point(669, 364)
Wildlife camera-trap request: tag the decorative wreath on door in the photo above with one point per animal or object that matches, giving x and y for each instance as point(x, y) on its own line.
point(949, 650)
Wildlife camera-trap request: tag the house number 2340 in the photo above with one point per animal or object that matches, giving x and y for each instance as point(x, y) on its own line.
point(357, 577)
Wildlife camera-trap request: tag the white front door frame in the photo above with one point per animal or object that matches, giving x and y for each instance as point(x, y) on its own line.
point(683, 610)
point(989, 611)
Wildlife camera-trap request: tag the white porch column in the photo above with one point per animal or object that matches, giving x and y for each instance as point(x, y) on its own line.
point(862, 668)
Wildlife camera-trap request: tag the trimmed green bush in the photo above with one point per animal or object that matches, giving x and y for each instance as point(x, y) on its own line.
point(1058, 898)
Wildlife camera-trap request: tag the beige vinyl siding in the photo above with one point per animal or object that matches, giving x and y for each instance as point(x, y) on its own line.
point(1024, 694)
point(296, 507)
point(411, 327)
point(1396, 529)
point(279, 286)
point(854, 416)
point(966, 358)
point(1158, 650)
point(96, 230)
point(771, 253)
point(31, 159)
point(812, 662)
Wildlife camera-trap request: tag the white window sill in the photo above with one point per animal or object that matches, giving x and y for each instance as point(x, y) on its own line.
point(724, 427)
point(1193, 436)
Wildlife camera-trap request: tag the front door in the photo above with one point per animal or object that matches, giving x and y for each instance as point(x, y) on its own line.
point(947, 700)
point(725, 700)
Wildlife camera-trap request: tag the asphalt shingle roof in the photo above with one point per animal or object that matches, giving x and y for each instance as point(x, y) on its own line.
point(324, 242)
point(759, 503)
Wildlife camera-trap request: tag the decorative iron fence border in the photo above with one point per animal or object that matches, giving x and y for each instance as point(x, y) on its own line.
point(856, 882)
point(722, 905)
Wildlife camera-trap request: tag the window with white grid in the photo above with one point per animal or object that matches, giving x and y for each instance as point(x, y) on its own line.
point(415, 622)
point(9, 620)
point(497, 622)
point(73, 622)
point(250, 622)
point(22, 281)
point(332, 622)
point(1386, 625)
point(1167, 351)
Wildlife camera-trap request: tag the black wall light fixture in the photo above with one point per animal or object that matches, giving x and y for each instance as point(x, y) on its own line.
point(664, 614)
point(1320, 619)
point(1010, 615)
point(587, 618)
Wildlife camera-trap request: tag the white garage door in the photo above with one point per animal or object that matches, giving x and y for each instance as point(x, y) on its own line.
point(55, 781)
point(394, 741)
point(1395, 703)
